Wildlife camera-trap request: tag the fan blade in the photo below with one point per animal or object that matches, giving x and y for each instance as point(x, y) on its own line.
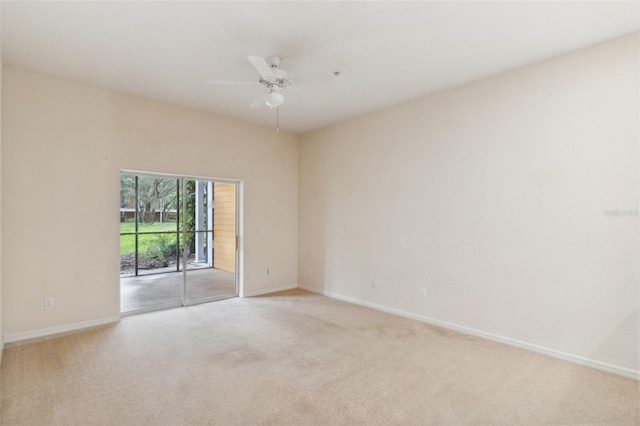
point(233, 83)
point(293, 90)
point(262, 67)
point(315, 78)
point(258, 101)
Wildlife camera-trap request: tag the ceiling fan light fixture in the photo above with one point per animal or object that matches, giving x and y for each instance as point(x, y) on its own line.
point(274, 99)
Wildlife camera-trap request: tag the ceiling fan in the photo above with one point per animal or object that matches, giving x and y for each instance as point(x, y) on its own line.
point(274, 80)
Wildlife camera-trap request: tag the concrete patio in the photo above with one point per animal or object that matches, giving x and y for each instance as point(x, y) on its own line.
point(160, 290)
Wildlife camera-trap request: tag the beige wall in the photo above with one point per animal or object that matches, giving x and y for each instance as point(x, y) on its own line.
point(63, 147)
point(1, 333)
point(492, 196)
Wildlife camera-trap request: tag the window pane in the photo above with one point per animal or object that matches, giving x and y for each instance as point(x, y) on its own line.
point(156, 204)
point(127, 255)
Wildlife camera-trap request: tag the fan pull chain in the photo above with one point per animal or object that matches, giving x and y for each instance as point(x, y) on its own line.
point(277, 119)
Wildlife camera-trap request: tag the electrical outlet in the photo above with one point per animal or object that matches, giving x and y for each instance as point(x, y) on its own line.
point(373, 285)
point(47, 304)
point(423, 293)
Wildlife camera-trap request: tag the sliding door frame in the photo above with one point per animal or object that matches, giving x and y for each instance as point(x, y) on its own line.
point(182, 199)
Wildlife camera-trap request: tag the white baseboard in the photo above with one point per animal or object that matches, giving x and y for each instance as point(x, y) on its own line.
point(52, 331)
point(268, 290)
point(577, 359)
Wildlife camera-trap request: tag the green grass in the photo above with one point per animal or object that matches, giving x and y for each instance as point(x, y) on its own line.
point(147, 227)
point(128, 242)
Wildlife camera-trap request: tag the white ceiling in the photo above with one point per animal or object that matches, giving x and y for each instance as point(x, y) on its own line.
point(386, 52)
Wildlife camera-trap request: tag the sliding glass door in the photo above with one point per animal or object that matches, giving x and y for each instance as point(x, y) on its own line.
point(178, 241)
point(212, 240)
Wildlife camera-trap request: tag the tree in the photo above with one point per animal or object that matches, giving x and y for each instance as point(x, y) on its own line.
point(127, 189)
point(153, 194)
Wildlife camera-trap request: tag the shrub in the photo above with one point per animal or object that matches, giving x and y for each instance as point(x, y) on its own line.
point(162, 248)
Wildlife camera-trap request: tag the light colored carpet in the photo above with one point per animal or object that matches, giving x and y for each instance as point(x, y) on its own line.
point(296, 358)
